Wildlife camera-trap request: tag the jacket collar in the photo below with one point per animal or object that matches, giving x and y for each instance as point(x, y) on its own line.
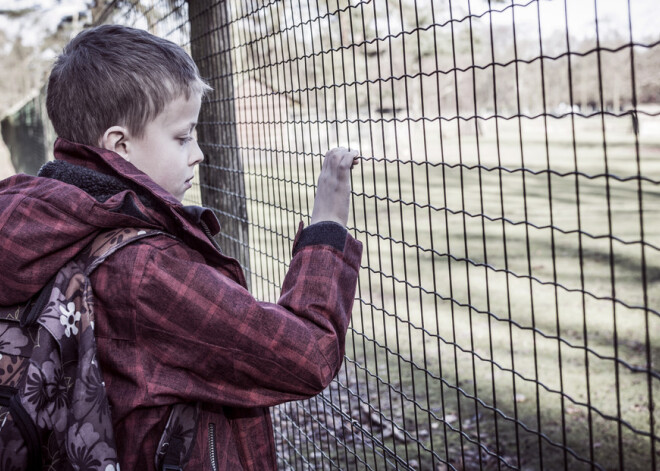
point(110, 163)
point(185, 222)
point(160, 204)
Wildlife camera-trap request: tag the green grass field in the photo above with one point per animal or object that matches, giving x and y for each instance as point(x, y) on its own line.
point(479, 332)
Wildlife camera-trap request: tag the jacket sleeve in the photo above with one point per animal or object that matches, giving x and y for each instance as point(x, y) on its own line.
point(204, 337)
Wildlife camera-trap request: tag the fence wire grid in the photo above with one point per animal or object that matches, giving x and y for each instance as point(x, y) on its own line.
point(508, 310)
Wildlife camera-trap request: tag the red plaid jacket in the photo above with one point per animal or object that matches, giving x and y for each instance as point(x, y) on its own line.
point(175, 321)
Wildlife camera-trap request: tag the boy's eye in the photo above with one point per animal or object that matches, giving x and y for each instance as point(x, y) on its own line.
point(185, 140)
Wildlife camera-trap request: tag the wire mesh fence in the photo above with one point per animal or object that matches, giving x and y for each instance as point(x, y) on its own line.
point(508, 310)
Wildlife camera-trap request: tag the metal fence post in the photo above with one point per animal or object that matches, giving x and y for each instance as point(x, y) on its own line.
point(221, 174)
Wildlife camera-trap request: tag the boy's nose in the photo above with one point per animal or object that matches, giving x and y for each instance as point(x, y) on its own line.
point(197, 156)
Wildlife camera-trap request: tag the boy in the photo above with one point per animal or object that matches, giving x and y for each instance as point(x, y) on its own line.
point(174, 321)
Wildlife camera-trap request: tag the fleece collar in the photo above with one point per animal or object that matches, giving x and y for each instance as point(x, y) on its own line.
point(97, 184)
point(102, 174)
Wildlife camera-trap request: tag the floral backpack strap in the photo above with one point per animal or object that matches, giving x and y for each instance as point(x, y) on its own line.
point(89, 424)
point(54, 409)
point(109, 242)
point(178, 438)
point(65, 319)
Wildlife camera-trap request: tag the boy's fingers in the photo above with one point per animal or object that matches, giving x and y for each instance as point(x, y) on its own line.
point(347, 158)
point(356, 159)
point(341, 157)
point(350, 155)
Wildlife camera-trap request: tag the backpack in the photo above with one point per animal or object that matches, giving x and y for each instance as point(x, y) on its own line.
point(54, 411)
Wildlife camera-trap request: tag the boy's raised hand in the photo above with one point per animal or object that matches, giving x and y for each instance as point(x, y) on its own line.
point(334, 189)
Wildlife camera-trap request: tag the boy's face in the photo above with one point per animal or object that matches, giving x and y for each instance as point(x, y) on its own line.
point(168, 150)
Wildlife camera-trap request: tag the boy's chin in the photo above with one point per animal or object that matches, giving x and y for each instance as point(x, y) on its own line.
point(178, 196)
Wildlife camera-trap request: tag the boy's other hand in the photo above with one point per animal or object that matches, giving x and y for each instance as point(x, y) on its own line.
point(334, 189)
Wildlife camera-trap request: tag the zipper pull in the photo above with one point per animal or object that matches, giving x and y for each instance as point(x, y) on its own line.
point(213, 456)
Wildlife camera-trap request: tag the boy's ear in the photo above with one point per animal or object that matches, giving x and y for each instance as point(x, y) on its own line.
point(115, 138)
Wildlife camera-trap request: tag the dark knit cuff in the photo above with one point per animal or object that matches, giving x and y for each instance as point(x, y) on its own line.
point(322, 233)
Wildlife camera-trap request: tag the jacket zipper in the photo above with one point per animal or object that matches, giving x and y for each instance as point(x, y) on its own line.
point(207, 231)
point(212, 451)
